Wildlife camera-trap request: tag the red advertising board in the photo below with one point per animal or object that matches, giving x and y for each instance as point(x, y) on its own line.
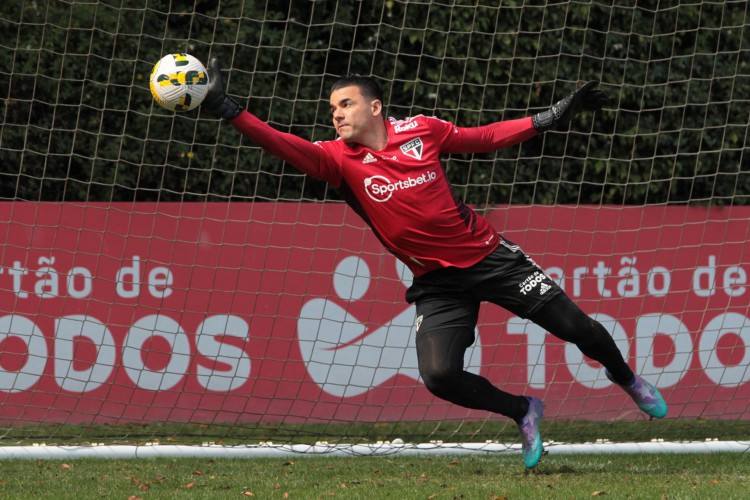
point(274, 311)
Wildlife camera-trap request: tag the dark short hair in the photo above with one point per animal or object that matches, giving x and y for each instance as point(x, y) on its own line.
point(367, 86)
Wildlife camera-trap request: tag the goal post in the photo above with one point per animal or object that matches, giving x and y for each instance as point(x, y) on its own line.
point(164, 279)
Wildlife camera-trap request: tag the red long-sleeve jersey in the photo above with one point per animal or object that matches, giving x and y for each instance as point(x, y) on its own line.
point(401, 192)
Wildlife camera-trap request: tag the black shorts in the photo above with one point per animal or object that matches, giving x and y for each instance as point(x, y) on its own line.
point(450, 297)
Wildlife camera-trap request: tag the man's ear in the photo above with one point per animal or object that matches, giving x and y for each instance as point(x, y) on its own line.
point(376, 106)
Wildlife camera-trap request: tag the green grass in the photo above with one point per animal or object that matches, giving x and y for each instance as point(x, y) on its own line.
point(502, 430)
point(719, 475)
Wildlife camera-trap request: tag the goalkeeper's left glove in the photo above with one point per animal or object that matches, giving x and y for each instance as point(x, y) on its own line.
point(216, 99)
point(585, 98)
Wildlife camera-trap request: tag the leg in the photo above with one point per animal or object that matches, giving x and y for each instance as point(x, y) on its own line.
point(447, 318)
point(441, 357)
point(564, 319)
point(516, 283)
point(441, 365)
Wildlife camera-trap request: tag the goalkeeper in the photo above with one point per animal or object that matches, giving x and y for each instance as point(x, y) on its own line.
point(389, 172)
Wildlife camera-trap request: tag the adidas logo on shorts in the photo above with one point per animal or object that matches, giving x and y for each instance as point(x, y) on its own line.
point(543, 288)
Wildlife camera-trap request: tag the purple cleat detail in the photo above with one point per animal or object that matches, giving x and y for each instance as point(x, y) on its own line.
point(646, 396)
point(529, 427)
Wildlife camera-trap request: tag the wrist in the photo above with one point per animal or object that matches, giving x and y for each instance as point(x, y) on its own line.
point(543, 121)
point(228, 108)
point(225, 107)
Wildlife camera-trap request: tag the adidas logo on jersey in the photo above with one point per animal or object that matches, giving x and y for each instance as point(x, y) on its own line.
point(543, 288)
point(369, 158)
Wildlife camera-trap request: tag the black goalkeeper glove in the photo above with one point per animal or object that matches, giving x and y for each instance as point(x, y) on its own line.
point(216, 99)
point(585, 98)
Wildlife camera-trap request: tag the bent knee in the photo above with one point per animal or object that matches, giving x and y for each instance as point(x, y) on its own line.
point(440, 382)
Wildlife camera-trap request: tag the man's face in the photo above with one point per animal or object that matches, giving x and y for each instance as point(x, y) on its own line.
point(353, 114)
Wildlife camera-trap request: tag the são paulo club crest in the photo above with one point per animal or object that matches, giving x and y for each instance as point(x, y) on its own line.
point(413, 148)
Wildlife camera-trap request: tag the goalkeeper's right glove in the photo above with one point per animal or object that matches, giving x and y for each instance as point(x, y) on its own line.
point(216, 99)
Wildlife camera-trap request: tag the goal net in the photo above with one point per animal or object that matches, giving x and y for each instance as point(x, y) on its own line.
point(165, 280)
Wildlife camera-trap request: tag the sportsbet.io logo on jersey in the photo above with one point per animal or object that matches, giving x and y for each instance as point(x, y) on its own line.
point(380, 188)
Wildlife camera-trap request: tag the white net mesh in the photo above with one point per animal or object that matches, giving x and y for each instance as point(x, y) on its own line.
point(160, 275)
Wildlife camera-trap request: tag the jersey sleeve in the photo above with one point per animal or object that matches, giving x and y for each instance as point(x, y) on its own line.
point(484, 139)
point(307, 157)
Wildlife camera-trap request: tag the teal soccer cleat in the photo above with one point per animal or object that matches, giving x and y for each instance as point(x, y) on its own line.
point(529, 427)
point(646, 396)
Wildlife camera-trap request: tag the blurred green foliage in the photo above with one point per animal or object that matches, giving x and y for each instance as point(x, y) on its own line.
point(78, 122)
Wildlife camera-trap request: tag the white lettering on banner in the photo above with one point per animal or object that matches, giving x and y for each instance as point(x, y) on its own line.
point(18, 273)
point(69, 329)
point(345, 367)
point(48, 285)
point(210, 345)
point(144, 330)
point(341, 355)
point(133, 279)
point(27, 332)
point(630, 284)
point(725, 324)
point(129, 281)
point(82, 275)
point(536, 358)
point(648, 327)
point(705, 287)
point(706, 280)
point(601, 272)
point(340, 359)
point(47, 282)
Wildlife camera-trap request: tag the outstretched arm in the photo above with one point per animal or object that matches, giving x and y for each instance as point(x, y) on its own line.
point(488, 138)
point(506, 133)
point(305, 156)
